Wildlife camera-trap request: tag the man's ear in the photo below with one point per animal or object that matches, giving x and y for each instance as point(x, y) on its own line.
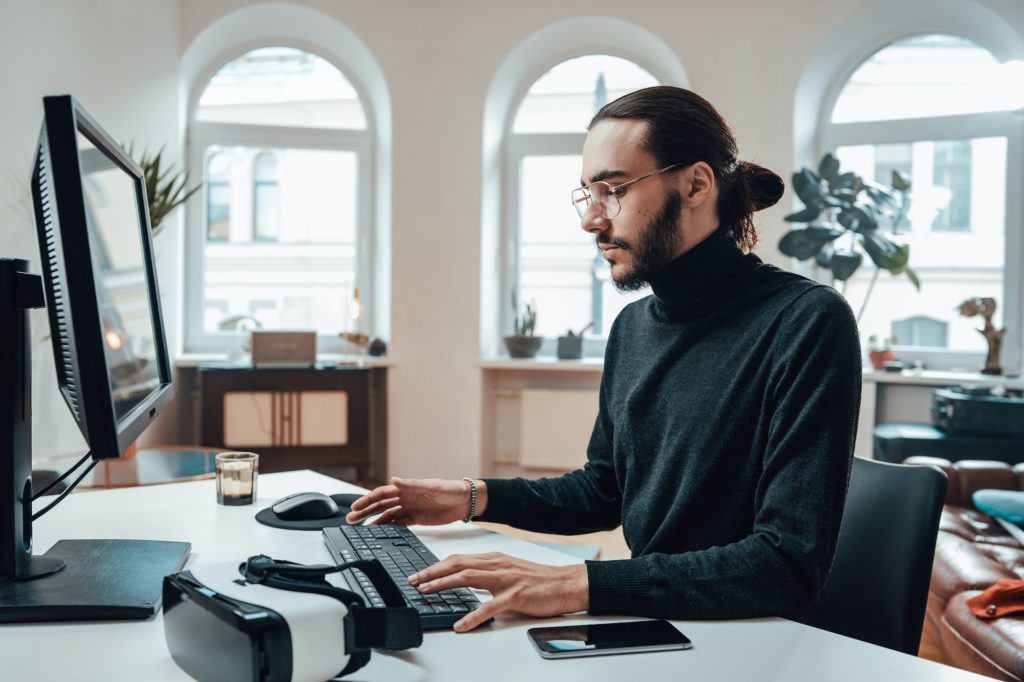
point(700, 181)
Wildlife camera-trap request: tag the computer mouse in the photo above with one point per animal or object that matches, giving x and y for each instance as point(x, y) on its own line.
point(304, 507)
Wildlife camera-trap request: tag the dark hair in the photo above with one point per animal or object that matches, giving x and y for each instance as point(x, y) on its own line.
point(683, 127)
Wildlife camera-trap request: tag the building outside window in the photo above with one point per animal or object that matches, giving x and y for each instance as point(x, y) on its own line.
point(550, 260)
point(281, 139)
point(928, 107)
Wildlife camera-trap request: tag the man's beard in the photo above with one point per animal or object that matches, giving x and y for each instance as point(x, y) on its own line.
point(655, 247)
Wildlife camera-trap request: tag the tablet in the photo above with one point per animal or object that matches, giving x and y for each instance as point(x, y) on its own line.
point(599, 639)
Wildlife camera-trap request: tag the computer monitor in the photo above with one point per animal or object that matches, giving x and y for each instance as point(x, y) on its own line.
point(111, 360)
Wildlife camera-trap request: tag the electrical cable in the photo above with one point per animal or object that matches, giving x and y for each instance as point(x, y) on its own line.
point(62, 477)
point(66, 492)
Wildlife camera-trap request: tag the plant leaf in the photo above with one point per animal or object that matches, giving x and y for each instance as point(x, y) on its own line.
point(804, 215)
point(828, 169)
point(805, 243)
point(845, 180)
point(900, 182)
point(808, 187)
point(845, 262)
point(824, 256)
point(914, 279)
point(885, 253)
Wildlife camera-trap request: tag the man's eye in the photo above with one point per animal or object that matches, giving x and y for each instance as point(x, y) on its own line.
point(618, 191)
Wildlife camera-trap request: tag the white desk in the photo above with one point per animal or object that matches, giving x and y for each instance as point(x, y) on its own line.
point(763, 649)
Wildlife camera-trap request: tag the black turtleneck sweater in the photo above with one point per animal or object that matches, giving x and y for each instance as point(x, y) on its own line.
point(723, 444)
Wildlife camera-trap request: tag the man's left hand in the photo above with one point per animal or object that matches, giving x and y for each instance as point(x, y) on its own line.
point(516, 585)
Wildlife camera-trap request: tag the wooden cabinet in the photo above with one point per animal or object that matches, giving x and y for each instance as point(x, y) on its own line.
point(326, 418)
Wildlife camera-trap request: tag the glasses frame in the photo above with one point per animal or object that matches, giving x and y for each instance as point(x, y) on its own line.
point(581, 196)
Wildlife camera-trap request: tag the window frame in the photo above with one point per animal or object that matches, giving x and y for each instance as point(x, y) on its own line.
point(201, 134)
point(1008, 124)
point(518, 146)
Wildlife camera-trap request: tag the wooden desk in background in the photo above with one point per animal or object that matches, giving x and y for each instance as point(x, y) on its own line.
point(324, 418)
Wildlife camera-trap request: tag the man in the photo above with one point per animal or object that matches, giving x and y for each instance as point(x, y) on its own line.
point(728, 402)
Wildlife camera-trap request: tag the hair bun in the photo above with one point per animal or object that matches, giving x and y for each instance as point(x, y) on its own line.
point(765, 186)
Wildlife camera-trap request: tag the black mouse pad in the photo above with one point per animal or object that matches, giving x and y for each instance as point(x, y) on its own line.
point(267, 517)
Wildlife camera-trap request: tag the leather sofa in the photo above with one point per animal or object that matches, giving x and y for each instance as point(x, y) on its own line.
point(973, 551)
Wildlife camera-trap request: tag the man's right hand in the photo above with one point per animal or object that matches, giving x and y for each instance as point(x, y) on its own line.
point(423, 501)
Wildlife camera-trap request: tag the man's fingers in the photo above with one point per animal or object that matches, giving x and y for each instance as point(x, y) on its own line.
point(487, 610)
point(470, 577)
point(392, 515)
point(375, 495)
point(377, 507)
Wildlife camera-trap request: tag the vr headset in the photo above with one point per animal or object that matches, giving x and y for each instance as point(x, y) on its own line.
point(267, 620)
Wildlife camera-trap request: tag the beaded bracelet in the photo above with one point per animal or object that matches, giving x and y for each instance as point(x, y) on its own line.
point(472, 499)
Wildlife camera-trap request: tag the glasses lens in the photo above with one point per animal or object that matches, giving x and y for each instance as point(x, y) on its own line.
point(581, 200)
point(598, 195)
point(606, 201)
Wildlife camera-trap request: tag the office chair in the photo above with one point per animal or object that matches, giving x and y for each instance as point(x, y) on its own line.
point(878, 586)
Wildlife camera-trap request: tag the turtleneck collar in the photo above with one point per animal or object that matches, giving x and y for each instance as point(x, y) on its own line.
point(698, 271)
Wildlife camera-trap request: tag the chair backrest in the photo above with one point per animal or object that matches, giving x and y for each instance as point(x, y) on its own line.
point(878, 586)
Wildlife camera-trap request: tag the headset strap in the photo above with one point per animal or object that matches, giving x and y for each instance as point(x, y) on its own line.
point(396, 626)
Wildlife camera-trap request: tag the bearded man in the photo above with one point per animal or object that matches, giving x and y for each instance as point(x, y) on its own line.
point(728, 402)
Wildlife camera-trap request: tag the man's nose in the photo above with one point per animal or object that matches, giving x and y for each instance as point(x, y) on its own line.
point(593, 222)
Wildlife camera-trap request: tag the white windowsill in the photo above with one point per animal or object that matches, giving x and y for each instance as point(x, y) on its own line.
point(544, 364)
point(910, 377)
point(197, 359)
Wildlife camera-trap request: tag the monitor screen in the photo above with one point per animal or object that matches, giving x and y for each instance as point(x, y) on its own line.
point(126, 316)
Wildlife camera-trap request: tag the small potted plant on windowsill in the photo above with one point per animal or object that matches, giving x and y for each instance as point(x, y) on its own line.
point(523, 344)
point(570, 346)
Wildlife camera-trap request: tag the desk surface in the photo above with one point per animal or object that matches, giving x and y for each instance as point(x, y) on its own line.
point(761, 649)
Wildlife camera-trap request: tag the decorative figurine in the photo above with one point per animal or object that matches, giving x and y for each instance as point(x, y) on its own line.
point(986, 307)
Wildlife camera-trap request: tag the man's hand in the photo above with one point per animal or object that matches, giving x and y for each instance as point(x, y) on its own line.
point(517, 585)
point(425, 501)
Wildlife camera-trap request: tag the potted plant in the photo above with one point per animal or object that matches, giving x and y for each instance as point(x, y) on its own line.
point(843, 218)
point(165, 187)
point(523, 344)
point(570, 346)
point(880, 353)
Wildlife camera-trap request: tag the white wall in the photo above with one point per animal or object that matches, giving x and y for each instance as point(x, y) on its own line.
point(120, 60)
point(438, 59)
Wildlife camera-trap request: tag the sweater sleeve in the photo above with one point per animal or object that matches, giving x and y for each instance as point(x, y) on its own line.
point(778, 570)
point(580, 501)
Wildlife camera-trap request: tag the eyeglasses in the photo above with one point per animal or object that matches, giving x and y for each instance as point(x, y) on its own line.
point(606, 197)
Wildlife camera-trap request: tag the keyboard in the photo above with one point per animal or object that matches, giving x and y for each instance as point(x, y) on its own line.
point(402, 554)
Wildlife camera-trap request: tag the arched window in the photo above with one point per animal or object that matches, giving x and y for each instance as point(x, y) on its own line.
point(936, 109)
point(266, 215)
point(550, 260)
point(283, 142)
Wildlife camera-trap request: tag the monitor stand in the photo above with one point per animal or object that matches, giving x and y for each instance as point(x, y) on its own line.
point(75, 579)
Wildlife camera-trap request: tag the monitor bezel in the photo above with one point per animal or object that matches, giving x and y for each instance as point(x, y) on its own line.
point(107, 435)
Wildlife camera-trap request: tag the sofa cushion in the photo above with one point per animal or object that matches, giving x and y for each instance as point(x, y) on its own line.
point(962, 565)
point(989, 647)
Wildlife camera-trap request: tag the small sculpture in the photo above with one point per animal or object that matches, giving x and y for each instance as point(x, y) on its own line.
point(986, 307)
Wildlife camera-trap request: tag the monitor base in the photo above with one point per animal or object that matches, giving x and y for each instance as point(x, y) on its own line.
point(102, 580)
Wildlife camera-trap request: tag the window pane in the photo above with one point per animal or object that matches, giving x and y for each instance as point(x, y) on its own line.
point(266, 214)
point(218, 197)
point(306, 278)
point(560, 266)
point(956, 234)
point(935, 75)
point(566, 97)
point(281, 86)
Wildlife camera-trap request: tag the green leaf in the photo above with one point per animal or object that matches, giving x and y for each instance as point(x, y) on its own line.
point(912, 276)
point(828, 169)
point(824, 257)
point(808, 187)
point(805, 243)
point(845, 262)
point(860, 217)
point(804, 215)
point(885, 253)
point(900, 182)
point(846, 180)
